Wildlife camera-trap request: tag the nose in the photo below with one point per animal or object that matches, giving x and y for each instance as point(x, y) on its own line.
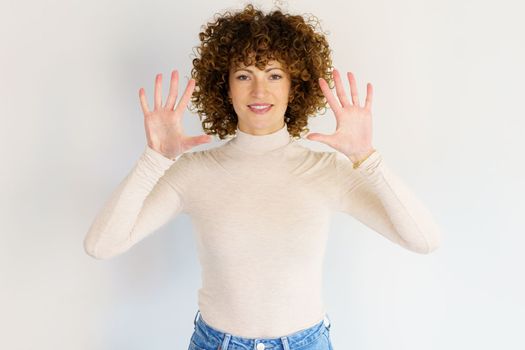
point(259, 88)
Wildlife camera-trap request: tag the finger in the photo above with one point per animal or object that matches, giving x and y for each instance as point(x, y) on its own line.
point(340, 90)
point(173, 92)
point(353, 89)
point(198, 140)
point(315, 136)
point(369, 96)
point(158, 91)
point(187, 94)
point(143, 101)
point(330, 98)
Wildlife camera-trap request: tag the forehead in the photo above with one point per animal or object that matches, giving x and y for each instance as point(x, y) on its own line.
point(250, 59)
point(270, 63)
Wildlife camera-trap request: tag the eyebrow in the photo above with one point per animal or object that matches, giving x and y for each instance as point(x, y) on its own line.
point(249, 70)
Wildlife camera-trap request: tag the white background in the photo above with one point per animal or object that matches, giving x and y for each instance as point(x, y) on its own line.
point(448, 117)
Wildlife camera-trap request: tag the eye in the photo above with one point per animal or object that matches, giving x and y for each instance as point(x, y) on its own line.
point(240, 77)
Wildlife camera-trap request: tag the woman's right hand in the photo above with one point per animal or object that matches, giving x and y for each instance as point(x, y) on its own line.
point(164, 124)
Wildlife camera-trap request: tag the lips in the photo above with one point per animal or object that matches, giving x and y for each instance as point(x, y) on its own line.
point(260, 104)
point(260, 110)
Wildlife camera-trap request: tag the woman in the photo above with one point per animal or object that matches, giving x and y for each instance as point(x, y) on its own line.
point(261, 203)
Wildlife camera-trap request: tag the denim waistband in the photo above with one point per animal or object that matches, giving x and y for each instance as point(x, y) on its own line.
point(294, 340)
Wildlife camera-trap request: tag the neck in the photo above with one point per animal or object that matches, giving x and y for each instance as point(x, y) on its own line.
point(260, 144)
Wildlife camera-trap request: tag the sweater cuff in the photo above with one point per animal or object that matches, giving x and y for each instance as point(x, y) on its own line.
point(371, 165)
point(159, 159)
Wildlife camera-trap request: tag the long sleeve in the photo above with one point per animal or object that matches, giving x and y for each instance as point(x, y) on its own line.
point(378, 198)
point(141, 204)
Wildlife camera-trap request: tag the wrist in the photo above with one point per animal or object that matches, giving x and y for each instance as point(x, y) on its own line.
point(359, 157)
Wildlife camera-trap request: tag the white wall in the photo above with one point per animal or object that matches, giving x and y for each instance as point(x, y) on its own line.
point(448, 118)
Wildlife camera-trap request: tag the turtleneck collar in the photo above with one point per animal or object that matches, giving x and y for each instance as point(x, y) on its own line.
point(260, 144)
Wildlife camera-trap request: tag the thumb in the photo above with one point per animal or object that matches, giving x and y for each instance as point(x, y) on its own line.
point(199, 140)
point(204, 138)
point(315, 136)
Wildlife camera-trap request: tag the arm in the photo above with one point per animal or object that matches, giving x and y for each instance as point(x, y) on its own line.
point(378, 198)
point(142, 203)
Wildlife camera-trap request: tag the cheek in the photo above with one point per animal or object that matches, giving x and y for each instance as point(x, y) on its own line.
point(237, 90)
point(285, 93)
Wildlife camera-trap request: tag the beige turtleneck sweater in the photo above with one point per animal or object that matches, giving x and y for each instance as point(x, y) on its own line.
point(261, 208)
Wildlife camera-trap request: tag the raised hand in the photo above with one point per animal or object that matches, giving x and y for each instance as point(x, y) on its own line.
point(353, 134)
point(164, 124)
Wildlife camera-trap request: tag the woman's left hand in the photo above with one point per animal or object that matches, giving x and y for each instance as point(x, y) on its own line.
point(353, 133)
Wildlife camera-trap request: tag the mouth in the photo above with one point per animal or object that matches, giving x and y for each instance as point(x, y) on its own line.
point(260, 109)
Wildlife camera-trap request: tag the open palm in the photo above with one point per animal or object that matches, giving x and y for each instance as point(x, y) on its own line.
point(164, 127)
point(353, 134)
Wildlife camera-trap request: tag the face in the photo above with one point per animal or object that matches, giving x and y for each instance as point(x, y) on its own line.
point(270, 86)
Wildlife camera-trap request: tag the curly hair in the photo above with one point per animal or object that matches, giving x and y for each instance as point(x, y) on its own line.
point(240, 37)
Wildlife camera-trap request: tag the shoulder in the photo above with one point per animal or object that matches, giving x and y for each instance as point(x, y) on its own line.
point(314, 161)
point(195, 161)
point(203, 156)
point(328, 157)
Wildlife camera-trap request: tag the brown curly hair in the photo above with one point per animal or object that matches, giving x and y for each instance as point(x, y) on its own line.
point(239, 37)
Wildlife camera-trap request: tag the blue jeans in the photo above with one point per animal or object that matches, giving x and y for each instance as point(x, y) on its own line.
point(206, 337)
